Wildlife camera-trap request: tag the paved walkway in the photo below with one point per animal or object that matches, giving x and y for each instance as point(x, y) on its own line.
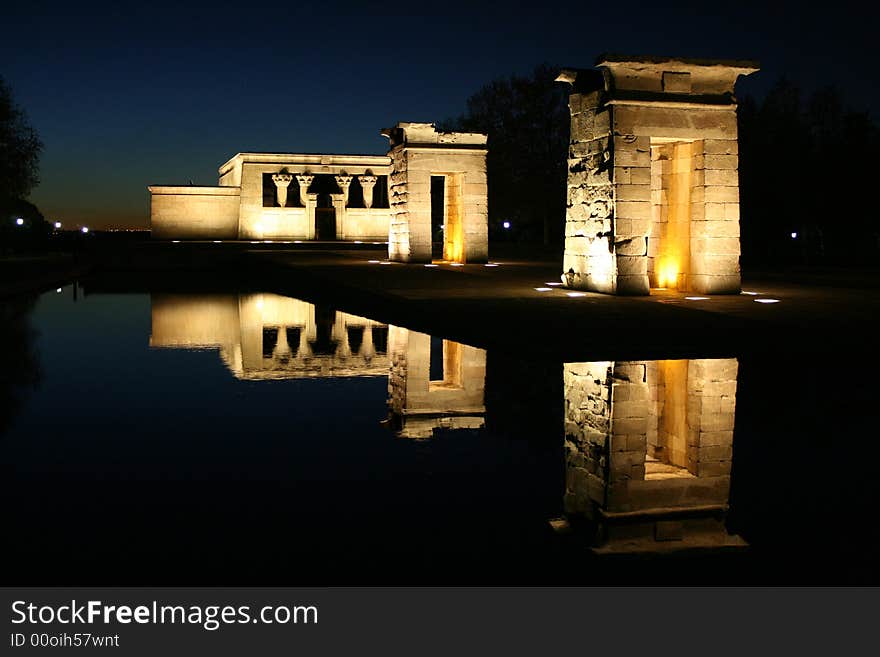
point(517, 306)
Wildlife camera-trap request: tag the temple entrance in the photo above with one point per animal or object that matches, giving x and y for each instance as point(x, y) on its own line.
point(447, 229)
point(438, 215)
point(325, 224)
point(672, 181)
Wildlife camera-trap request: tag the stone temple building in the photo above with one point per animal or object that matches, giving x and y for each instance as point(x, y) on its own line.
point(427, 198)
point(653, 190)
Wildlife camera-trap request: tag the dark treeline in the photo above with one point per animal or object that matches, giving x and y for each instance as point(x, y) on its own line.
point(20, 149)
point(526, 118)
point(805, 164)
point(806, 167)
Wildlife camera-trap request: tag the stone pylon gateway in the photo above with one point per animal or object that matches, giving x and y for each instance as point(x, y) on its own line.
point(420, 153)
point(653, 190)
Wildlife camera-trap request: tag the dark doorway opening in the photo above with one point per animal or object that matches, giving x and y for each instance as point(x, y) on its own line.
point(325, 224)
point(438, 215)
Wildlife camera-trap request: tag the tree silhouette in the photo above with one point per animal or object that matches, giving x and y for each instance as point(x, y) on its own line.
point(20, 149)
point(806, 169)
point(526, 118)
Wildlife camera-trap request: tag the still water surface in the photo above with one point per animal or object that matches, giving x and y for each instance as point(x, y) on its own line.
point(204, 438)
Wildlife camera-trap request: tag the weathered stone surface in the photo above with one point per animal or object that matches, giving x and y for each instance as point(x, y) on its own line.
point(660, 164)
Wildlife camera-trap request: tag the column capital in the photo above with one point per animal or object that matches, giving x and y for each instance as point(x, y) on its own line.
point(304, 179)
point(281, 179)
point(367, 184)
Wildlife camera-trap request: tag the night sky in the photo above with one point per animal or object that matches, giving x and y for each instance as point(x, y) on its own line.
point(126, 96)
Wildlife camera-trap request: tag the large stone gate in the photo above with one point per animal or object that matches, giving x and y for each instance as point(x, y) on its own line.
point(653, 190)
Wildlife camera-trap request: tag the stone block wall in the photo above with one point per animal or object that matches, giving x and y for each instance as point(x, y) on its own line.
point(685, 110)
point(400, 246)
point(195, 213)
point(418, 152)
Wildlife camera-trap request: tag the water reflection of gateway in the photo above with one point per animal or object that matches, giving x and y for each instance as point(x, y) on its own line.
point(434, 384)
point(648, 451)
point(267, 336)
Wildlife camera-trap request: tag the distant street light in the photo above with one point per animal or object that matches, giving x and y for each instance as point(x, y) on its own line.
point(57, 225)
point(85, 229)
point(19, 222)
point(794, 236)
point(506, 225)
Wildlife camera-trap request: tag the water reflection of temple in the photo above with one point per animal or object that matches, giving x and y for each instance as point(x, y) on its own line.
point(648, 452)
point(432, 383)
point(267, 336)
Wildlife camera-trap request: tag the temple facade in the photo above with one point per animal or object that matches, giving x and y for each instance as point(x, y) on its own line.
point(427, 198)
point(653, 188)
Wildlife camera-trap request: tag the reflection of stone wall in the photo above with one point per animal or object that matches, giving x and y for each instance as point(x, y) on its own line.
point(419, 405)
point(649, 442)
point(267, 336)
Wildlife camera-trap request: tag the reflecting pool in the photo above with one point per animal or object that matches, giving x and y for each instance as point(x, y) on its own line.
point(197, 437)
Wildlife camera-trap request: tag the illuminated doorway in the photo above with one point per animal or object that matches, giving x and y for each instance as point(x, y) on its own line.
point(447, 217)
point(673, 179)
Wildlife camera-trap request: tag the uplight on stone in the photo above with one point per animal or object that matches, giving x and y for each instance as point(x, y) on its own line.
point(373, 262)
point(751, 294)
point(543, 289)
point(697, 298)
point(653, 187)
point(576, 294)
point(766, 300)
point(431, 265)
point(420, 152)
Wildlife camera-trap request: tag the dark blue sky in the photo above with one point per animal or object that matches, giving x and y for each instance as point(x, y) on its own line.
point(163, 93)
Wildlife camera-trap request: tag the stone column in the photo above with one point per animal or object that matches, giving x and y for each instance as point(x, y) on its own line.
point(282, 347)
point(367, 184)
point(309, 201)
point(282, 181)
point(339, 202)
point(344, 183)
point(368, 350)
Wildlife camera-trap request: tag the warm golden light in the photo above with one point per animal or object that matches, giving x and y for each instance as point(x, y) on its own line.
point(667, 274)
